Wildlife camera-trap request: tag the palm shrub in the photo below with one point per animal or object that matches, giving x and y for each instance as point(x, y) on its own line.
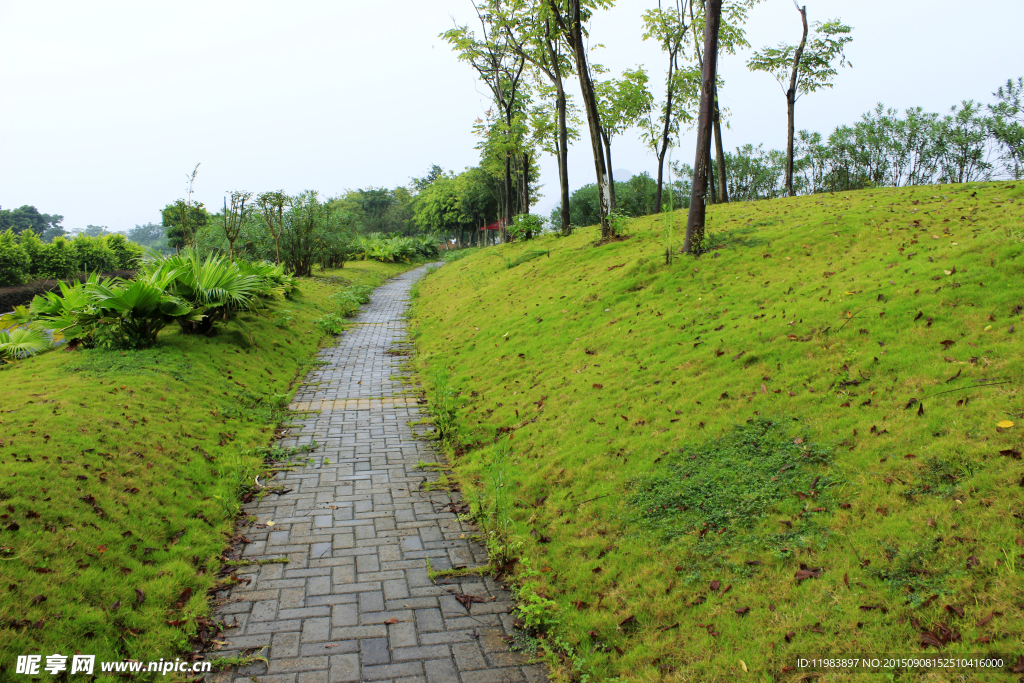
point(21, 343)
point(215, 286)
point(386, 248)
point(111, 312)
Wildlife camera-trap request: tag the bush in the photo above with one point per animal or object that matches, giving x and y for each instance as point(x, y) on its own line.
point(92, 254)
point(109, 312)
point(14, 262)
point(128, 255)
point(57, 260)
point(525, 226)
point(33, 246)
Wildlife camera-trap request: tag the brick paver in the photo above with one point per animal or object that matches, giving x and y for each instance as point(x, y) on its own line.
point(354, 602)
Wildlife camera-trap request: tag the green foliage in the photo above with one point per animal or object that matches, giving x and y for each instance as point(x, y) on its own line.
point(215, 286)
point(92, 255)
point(15, 263)
point(183, 221)
point(394, 248)
point(110, 312)
point(57, 260)
point(525, 226)
point(826, 44)
point(29, 218)
point(1007, 126)
point(349, 299)
point(21, 342)
point(331, 323)
point(149, 235)
point(729, 482)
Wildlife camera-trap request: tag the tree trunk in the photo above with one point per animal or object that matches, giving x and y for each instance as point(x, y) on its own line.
point(526, 183)
point(563, 158)
point(712, 197)
point(664, 143)
point(723, 191)
point(611, 174)
point(791, 105)
point(509, 195)
point(694, 242)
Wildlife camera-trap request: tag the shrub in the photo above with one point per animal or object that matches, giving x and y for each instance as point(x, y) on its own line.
point(128, 255)
point(110, 312)
point(215, 286)
point(525, 226)
point(57, 260)
point(21, 343)
point(33, 246)
point(92, 254)
point(14, 262)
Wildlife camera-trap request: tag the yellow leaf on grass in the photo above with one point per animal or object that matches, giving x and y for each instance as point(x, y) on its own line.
point(1005, 424)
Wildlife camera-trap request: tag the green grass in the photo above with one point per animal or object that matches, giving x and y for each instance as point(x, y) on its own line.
point(121, 475)
point(820, 392)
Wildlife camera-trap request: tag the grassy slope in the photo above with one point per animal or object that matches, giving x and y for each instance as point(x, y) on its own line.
point(607, 372)
point(102, 467)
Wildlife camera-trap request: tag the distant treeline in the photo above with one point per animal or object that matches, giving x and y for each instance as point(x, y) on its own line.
point(973, 142)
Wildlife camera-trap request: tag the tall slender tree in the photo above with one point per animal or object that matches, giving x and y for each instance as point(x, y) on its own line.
point(501, 68)
point(623, 103)
point(669, 28)
point(530, 29)
point(270, 206)
point(803, 69)
point(694, 241)
point(570, 16)
point(235, 218)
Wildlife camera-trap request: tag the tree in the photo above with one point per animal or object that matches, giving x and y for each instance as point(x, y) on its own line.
point(152, 235)
point(694, 242)
point(963, 153)
point(669, 28)
point(270, 206)
point(93, 231)
point(501, 67)
point(1007, 126)
point(420, 184)
point(235, 218)
point(807, 67)
point(570, 15)
point(622, 102)
point(29, 218)
point(529, 26)
point(183, 218)
point(731, 37)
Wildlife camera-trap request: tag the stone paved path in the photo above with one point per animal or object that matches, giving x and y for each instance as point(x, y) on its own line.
point(354, 602)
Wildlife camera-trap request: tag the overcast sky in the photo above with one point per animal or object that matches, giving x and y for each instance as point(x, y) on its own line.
point(107, 106)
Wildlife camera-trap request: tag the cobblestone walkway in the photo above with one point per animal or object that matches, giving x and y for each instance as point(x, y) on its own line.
point(354, 602)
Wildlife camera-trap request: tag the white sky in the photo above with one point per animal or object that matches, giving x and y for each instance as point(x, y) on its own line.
point(107, 106)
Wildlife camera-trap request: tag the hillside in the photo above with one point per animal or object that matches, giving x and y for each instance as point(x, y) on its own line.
point(799, 443)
